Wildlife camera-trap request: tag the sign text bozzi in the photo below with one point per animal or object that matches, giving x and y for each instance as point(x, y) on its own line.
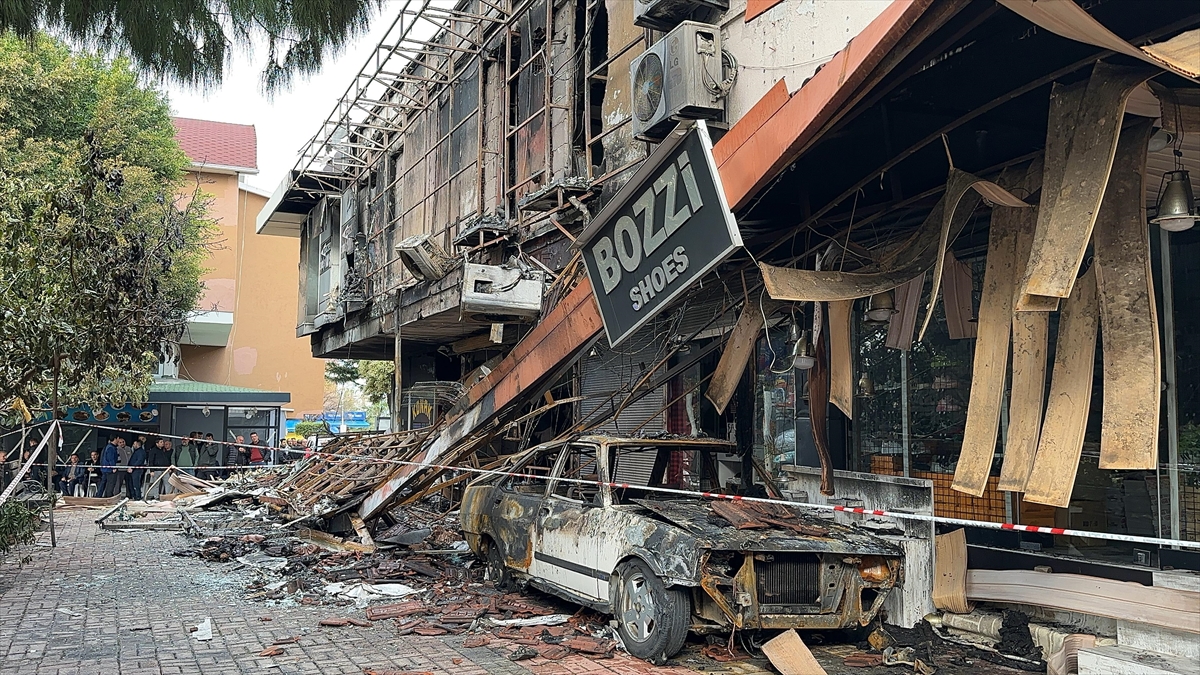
point(666, 228)
point(631, 246)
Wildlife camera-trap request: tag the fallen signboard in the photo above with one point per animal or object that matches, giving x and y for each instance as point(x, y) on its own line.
point(666, 228)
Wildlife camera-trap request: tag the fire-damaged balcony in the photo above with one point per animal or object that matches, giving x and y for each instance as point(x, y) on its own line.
point(470, 306)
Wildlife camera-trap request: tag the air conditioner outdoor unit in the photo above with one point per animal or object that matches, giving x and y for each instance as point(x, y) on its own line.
point(424, 257)
point(666, 14)
point(669, 80)
point(493, 294)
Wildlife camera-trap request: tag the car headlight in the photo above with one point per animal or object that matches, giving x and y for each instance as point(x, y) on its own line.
point(874, 569)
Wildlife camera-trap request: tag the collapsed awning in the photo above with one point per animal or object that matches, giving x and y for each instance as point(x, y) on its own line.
point(296, 195)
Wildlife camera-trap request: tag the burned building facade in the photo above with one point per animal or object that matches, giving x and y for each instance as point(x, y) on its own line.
point(442, 195)
point(893, 167)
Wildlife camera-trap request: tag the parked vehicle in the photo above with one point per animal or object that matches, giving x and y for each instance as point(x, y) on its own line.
point(665, 564)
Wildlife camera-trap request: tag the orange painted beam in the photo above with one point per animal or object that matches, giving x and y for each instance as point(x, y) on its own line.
point(566, 327)
point(778, 141)
point(752, 121)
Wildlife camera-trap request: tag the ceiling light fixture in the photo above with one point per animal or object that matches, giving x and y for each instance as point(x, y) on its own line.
point(881, 307)
point(1176, 204)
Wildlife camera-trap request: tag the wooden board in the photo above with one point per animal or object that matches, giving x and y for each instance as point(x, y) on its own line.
point(1030, 342)
point(1064, 110)
point(904, 321)
point(1061, 443)
point(917, 254)
point(788, 653)
point(957, 187)
point(1092, 142)
point(1128, 317)
point(1027, 394)
point(90, 502)
point(991, 351)
point(738, 349)
point(1125, 600)
point(957, 300)
point(841, 367)
point(1180, 54)
point(950, 572)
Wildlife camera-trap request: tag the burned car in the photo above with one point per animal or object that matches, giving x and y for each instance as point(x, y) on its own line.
point(575, 519)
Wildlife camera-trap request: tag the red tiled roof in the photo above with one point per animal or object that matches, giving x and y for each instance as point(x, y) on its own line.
point(217, 143)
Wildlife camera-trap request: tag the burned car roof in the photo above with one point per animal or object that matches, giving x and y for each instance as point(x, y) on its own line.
point(697, 517)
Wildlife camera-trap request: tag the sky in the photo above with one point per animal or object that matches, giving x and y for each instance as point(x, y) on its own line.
point(287, 121)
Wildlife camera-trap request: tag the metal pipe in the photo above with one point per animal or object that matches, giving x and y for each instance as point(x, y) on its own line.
point(1172, 395)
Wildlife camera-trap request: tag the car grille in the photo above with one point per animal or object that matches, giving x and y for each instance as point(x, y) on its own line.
point(789, 579)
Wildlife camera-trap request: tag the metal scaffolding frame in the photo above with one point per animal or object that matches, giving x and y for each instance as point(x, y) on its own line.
point(413, 59)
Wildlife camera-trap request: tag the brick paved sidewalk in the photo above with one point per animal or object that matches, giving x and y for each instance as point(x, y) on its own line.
point(119, 603)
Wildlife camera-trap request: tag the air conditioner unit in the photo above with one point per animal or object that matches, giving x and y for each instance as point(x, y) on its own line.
point(669, 80)
point(493, 294)
point(424, 257)
point(666, 14)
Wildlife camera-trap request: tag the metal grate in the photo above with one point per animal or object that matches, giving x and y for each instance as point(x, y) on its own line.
point(789, 579)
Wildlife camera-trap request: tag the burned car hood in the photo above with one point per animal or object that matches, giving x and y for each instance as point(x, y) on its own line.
point(697, 517)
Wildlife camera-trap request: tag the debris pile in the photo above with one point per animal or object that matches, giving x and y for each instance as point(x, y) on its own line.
point(418, 574)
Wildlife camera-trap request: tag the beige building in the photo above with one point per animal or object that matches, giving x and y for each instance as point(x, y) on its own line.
point(243, 332)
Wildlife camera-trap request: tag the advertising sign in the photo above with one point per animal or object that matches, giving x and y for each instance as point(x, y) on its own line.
point(666, 228)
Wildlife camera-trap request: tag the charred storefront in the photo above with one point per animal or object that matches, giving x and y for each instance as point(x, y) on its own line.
point(944, 269)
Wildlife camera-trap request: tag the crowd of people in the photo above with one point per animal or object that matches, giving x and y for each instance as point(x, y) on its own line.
point(132, 465)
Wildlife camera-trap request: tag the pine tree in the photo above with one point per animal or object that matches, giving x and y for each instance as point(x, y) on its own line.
point(190, 41)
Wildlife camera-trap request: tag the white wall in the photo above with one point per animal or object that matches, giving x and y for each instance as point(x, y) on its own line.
point(790, 41)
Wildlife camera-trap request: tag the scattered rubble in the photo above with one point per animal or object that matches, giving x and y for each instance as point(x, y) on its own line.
point(293, 532)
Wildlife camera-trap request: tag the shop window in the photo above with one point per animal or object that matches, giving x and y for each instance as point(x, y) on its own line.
point(783, 431)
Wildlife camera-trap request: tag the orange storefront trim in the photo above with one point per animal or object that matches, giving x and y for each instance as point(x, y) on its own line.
point(779, 140)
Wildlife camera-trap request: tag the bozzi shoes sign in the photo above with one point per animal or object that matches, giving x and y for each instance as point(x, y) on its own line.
point(666, 228)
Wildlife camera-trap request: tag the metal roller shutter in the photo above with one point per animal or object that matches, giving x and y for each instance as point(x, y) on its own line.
point(606, 372)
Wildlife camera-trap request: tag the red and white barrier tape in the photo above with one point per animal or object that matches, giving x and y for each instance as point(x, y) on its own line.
point(29, 463)
point(1107, 536)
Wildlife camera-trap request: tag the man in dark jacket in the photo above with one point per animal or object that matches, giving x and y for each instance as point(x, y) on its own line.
point(235, 456)
point(108, 467)
point(257, 456)
point(137, 471)
point(158, 459)
point(94, 477)
point(37, 472)
point(207, 456)
point(72, 475)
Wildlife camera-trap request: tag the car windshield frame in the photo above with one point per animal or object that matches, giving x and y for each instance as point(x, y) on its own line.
point(705, 451)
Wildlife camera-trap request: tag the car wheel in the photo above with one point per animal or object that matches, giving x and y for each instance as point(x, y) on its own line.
point(651, 618)
point(497, 572)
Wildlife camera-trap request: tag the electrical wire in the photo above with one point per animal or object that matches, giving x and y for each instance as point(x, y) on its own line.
point(720, 89)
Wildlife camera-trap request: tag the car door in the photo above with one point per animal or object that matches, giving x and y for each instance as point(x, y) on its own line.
point(513, 511)
point(570, 523)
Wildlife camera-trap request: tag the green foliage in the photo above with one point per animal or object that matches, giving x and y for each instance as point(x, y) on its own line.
point(101, 258)
point(342, 371)
point(18, 525)
point(307, 429)
point(379, 378)
point(190, 41)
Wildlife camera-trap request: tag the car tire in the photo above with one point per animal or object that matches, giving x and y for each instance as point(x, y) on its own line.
point(499, 574)
point(652, 619)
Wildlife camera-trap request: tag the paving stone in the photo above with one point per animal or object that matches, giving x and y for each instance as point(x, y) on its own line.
point(111, 583)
